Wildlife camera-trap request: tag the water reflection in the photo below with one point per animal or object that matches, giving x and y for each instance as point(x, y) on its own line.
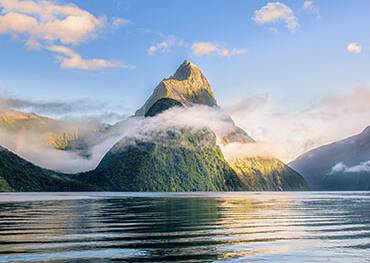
point(253, 227)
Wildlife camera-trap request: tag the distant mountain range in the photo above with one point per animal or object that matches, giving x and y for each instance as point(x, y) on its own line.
point(342, 165)
point(180, 158)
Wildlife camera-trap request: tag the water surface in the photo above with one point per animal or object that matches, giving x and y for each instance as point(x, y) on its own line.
point(173, 227)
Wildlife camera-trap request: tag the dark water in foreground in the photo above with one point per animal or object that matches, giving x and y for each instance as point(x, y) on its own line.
point(204, 227)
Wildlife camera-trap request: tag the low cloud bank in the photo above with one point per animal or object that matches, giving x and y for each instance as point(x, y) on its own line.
point(33, 147)
point(359, 168)
point(83, 108)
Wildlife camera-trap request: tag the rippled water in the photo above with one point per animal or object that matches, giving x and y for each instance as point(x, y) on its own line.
point(202, 227)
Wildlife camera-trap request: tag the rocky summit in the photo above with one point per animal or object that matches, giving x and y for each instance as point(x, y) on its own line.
point(188, 86)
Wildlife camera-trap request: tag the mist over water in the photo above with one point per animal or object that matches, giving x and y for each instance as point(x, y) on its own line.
point(199, 227)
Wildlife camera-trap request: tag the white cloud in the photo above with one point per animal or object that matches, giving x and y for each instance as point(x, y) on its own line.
point(15, 22)
point(119, 22)
point(164, 46)
point(48, 21)
point(70, 59)
point(354, 47)
point(159, 47)
point(42, 23)
point(209, 48)
point(198, 48)
point(310, 7)
point(276, 12)
point(342, 168)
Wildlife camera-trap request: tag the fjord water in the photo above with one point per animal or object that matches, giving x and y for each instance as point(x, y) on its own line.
point(185, 227)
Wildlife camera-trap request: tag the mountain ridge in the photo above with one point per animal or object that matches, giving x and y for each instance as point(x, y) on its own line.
point(318, 165)
point(18, 174)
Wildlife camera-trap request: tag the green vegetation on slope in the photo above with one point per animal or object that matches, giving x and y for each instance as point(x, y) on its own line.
point(180, 160)
point(187, 160)
point(268, 174)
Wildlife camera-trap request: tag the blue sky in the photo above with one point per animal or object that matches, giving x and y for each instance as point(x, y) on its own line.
point(297, 54)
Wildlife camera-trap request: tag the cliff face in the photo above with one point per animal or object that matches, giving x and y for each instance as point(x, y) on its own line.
point(188, 86)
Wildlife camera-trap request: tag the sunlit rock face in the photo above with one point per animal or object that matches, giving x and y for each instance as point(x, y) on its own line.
point(188, 86)
point(267, 174)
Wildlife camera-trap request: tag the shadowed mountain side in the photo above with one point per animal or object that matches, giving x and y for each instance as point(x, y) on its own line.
point(162, 105)
point(318, 165)
point(357, 181)
point(17, 174)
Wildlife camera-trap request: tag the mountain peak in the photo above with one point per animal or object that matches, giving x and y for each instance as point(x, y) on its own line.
point(186, 70)
point(187, 86)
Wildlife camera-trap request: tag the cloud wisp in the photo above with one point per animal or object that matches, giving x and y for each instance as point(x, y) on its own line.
point(359, 168)
point(200, 48)
point(46, 25)
point(275, 12)
point(83, 108)
point(354, 47)
point(310, 7)
point(70, 59)
point(209, 48)
point(164, 46)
